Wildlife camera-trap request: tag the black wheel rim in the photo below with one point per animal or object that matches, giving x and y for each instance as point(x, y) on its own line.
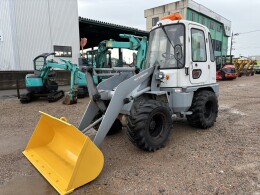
point(156, 125)
point(208, 109)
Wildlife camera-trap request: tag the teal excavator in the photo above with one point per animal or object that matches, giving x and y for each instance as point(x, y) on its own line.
point(101, 58)
point(43, 84)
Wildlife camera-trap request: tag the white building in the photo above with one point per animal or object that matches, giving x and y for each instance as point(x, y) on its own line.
point(29, 28)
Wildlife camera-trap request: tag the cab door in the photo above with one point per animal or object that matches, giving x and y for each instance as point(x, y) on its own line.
point(199, 73)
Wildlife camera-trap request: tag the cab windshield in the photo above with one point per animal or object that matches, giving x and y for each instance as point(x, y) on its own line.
point(169, 51)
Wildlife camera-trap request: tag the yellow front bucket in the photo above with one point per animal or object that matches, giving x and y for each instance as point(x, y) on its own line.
point(63, 155)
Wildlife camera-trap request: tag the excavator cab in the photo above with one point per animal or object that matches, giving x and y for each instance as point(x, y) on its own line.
point(34, 81)
point(42, 84)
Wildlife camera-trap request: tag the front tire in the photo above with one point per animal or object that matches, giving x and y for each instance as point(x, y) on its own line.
point(204, 109)
point(149, 124)
point(116, 127)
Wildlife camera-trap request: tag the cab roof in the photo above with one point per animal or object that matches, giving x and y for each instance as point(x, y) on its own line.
point(185, 22)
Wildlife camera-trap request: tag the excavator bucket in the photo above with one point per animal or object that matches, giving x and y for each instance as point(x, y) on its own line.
point(63, 155)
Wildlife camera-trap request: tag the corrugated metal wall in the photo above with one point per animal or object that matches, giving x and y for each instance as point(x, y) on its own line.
point(7, 50)
point(39, 24)
point(33, 30)
point(64, 21)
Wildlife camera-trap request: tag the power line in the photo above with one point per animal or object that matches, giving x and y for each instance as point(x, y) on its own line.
point(247, 45)
point(247, 32)
point(248, 48)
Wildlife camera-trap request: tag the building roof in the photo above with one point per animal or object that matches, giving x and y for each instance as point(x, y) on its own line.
point(96, 31)
point(184, 4)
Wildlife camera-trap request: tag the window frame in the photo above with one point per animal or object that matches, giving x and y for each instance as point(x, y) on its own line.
point(205, 48)
point(218, 45)
point(203, 20)
point(211, 51)
point(184, 46)
point(192, 16)
point(66, 50)
point(211, 25)
point(219, 27)
point(156, 19)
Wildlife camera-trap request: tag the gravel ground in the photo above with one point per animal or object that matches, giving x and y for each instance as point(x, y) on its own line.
point(224, 159)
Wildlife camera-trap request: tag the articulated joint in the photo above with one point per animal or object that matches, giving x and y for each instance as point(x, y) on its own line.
point(96, 97)
point(127, 100)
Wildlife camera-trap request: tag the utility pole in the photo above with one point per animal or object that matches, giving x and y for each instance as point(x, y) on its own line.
point(231, 45)
point(236, 34)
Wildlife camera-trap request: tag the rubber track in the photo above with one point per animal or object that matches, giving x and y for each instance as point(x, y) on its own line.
point(55, 96)
point(25, 98)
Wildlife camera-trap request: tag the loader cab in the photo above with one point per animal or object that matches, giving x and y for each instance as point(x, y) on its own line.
point(184, 52)
point(163, 45)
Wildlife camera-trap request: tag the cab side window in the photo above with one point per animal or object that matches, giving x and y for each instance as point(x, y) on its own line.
point(212, 57)
point(198, 46)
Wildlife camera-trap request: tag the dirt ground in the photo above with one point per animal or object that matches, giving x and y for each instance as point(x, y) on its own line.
point(224, 159)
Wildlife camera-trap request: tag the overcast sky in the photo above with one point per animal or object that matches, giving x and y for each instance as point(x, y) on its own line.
point(244, 17)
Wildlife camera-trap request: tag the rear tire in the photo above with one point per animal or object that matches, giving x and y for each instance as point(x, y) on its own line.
point(149, 124)
point(204, 109)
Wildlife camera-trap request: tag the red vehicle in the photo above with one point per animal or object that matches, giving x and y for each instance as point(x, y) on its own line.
point(227, 72)
point(225, 69)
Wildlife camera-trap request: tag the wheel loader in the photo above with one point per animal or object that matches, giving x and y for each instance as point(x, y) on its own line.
point(179, 78)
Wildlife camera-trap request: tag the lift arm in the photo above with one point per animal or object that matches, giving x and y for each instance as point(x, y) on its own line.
point(135, 43)
point(76, 74)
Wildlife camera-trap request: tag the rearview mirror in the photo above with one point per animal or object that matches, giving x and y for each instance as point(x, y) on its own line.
point(178, 52)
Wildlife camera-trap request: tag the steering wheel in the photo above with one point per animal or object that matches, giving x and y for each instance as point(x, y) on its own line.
point(171, 56)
